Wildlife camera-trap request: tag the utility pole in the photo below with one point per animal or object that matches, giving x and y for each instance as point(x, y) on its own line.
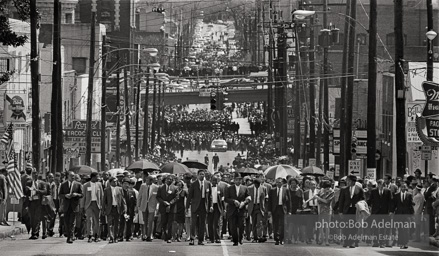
point(429, 56)
point(296, 106)
point(371, 87)
point(325, 93)
point(136, 149)
point(154, 109)
point(270, 80)
point(118, 113)
point(401, 143)
point(56, 104)
point(281, 91)
point(36, 131)
point(145, 117)
point(90, 85)
point(350, 84)
point(103, 103)
point(312, 81)
point(127, 115)
point(159, 109)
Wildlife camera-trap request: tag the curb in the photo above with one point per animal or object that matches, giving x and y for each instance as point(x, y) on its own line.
point(434, 242)
point(13, 231)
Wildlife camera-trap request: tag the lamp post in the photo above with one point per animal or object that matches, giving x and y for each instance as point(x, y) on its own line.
point(431, 35)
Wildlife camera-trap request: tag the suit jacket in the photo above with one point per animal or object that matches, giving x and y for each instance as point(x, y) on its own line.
point(143, 198)
point(274, 199)
point(87, 194)
point(71, 204)
point(194, 196)
point(41, 189)
point(166, 196)
point(428, 195)
point(108, 201)
point(231, 196)
point(346, 201)
point(262, 196)
point(131, 200)
point(403, 207)
point(380, 204)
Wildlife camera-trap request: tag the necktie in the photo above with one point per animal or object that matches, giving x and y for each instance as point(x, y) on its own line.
point(147, 192)
point(403, 196)
point(381, 192)
point(202, 190)
point(278, 189)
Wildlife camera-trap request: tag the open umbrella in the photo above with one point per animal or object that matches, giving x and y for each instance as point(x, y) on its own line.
point(281, 171)
point(175, 168)
point(82, 170)
point(247, 170)
point(195, 164)
point(113, 172)
point(143, 165)
point(312, 170)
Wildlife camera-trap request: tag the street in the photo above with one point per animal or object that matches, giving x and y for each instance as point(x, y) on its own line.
point(58, 246)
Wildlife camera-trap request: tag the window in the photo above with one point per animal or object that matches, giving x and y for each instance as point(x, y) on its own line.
point(390, 39)
point(69, 18)
point(79, 65)
point(5, 65)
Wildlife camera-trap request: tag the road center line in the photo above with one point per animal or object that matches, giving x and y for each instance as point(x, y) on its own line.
point(224, 246)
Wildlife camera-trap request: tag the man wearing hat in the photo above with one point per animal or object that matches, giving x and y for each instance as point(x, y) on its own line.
point(380, 201)
point(120, 175)
point(237, 197)
point(349, 197)
point(126, 220)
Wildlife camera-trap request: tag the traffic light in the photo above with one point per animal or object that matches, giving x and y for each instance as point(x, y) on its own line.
point(213, 101)
point(354, 145)
point(158, 9)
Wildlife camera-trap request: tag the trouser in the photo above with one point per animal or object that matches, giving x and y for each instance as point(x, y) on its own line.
point(378, 233)
point(225, 225)
point(80, 220)
point(35, 212)
point(2, 209)
point(349, 232)
point(248, 227)
point(257, 220)
point(103, 226)
point(148, 223)
point(213, 222)
point(52, 220)
point(125, 227)
point(166, 223)
point(310, 225)
point(113, 222)
point(92, 215)
point(236, 222)
point(431, 225)
point(278, 223)
point(69, 222)
point(404, 234)
point(199, 222)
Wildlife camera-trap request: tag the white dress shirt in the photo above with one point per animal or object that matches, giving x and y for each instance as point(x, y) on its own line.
point(257, 195)
point(237, 190)
point(93, 191)
point(352, 190)
point(203, 190)
point(402, 196)
point(113, 194)
point(214, 195)
point(279, 192)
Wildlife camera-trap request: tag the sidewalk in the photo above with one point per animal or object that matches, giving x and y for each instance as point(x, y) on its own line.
point(15, 229)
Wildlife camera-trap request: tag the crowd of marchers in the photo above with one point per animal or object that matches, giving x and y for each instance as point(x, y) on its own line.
point(209, 207)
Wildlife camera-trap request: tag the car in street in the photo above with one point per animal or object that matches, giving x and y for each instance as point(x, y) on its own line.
point(218, 146)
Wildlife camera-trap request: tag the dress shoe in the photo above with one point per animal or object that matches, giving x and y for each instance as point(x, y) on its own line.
point(235, 244)
point(375, 245)
point(255, 241)
point(33, 238)
point(218, 241)
point(192, 242)
point(351, 246)
point(200, 243)
point(382, 246)
point(404, 247)
point(111, 241)
point(120, 240)
point(69, 241)
point(169, 241)
point(128, 240)
point(44, 237)
point(148, 239)
point(90, 239)
point(277, 243)
point(240, 242)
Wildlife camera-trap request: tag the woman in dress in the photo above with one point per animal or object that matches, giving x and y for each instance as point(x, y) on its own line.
point(324, 199)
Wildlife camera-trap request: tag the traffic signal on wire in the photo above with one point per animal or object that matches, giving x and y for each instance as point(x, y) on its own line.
point(213, 101)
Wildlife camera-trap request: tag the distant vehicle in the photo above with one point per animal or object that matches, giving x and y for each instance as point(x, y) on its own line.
point(218, 146)
point(210, 25)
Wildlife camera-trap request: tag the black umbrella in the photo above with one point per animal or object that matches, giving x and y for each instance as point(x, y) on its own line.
point(312, 170)
point(175, 168)
point(195, 164)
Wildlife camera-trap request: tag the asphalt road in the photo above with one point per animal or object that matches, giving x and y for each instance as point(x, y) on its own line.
point(58, 246)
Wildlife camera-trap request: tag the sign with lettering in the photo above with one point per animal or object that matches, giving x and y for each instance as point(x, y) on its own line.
point(15, 107)
point(431, 108)
point(355, 167)
point(371, 173)
point(74, 137)
point(433, 128)
point(413, 108)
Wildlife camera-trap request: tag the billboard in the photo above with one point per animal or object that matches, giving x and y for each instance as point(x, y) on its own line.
point(16, 105)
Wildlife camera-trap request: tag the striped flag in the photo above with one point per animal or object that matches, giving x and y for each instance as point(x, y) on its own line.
point(14, 177)
point(8, 135)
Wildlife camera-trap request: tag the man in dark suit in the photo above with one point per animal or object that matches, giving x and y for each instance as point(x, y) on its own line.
point(349, 197)
point(256, 208)
point(200, 201)
point(70, 193)
point(237, 198)
point(114, 206)
point(126, 221)
point(380, 201)
point(216, 210)
point(429, 199)
point(35, 190)
point(25, 178)
point(165, 194)
point(278, 208)
point(267, 225)
point(403, 205)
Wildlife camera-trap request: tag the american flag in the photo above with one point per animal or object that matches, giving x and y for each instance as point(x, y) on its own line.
point(8, 135)
point(14, 177)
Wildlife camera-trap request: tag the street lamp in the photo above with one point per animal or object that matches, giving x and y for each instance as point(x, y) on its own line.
point(302, 14)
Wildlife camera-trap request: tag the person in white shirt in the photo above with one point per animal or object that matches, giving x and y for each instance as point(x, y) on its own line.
point(93, 196)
